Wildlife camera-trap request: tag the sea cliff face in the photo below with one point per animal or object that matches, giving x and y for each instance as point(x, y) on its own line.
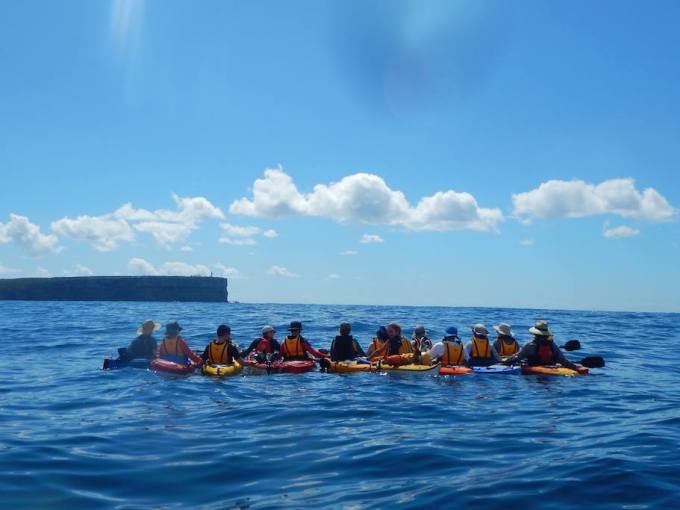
point(116, 288)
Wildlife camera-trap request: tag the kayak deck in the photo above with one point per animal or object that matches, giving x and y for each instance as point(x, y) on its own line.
point(222, 370)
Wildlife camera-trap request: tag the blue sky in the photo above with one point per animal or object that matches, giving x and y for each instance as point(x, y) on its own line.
point(488, 153)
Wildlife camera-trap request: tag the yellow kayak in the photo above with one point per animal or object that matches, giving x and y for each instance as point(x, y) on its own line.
point(222, 370)
point(345, 367)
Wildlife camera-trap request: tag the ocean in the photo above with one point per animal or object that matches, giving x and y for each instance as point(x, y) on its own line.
point(75, 436)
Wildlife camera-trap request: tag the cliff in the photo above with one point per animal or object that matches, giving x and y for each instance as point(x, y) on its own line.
point(116, 288)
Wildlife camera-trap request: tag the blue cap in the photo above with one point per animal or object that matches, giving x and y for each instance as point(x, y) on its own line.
point(452, 331)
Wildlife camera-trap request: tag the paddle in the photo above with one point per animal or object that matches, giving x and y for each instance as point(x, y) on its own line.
point(593, 362)
point(571, 345)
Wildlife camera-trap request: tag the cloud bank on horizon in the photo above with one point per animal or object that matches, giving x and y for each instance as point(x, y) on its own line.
point(360, 198)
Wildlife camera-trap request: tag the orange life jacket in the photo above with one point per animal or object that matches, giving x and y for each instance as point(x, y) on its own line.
point(481, 348)
point(293, 348)
point(507, 349)
point(453, 354)
point(218, 354)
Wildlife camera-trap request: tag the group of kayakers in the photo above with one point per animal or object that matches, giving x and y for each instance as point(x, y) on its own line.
point(388, 344)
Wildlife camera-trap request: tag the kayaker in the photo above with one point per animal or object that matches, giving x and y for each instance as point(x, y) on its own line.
point(296, 347)
point(396, 344)
point(479, 350)
point(221, 351)
point(378, 340)
point(345, 347)
point(505, 344)
point(541, 351)
point(174, 348)
point(450, 351)
point(144, 346)
point(420, 341)
point(264, 345)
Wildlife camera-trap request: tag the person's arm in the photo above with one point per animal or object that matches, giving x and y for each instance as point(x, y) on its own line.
point(370, 350)
point(250, 348)
point(205, 354)
point(334, 356)
point(308, 348)
point(189, 353)
point(494, 354)
point(379, 352)
point(559, 356)
point(357, 348)
point(234, 353)
point(522, 355)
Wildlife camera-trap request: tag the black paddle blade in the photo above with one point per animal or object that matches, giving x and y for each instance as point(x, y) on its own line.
point(572, 345)
point(593, 362)
point(105, 366)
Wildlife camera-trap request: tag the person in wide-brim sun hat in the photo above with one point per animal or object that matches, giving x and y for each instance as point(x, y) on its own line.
point(505, 344)
point(148, 327)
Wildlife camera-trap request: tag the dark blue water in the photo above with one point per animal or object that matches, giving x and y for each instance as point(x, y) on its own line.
point(74, 436)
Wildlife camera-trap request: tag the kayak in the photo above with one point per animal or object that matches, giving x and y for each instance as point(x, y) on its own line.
point(222, 370)
point(409, 367)
point(455, 370)
point(254, 366)
point(163, 365)
point(114, 364)
point(496, 370)
point(346, 367)
point(297, 366)
point(554, 370)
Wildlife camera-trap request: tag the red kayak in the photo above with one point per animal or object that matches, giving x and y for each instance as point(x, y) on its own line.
point(258, 367)
point(163, 365)
point(298, 366)
point(455, 370)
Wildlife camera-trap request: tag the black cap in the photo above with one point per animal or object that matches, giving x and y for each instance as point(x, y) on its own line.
point(295, 325)
point(223, 330)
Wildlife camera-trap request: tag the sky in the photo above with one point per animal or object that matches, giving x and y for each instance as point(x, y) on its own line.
point(458, 153)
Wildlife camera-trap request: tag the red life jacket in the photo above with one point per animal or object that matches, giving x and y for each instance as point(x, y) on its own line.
point(545, 354)
point(264, 346)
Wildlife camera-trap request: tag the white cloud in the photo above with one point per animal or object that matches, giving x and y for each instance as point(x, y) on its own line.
point(102, 232)
point(108, 231)
point(281, 271)
point(239, 231)
point(349, 253)
point(270, 233)
point(143, 267)
point(334, 276)
point(82, 270)
point(228, 272)
point(577, 199)
point(28, 236)
point(7, 270)
point(371, 239)
point(620, 232)
point(41, 271)
point(186, 248)
point(527, 242)
point(166, 233)
point(247, 241)
point(365, 198)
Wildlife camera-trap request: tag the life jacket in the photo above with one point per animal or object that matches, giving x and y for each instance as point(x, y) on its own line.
point(218, 354)
point(292, 348)
point(480, 354)
point(343, 348)
point(507, 349)
point(265, 346)
point(544, 355)
point(377, 344)
point(453, 354)
point(403, 347)
point(170, 350)
point(422, 344)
